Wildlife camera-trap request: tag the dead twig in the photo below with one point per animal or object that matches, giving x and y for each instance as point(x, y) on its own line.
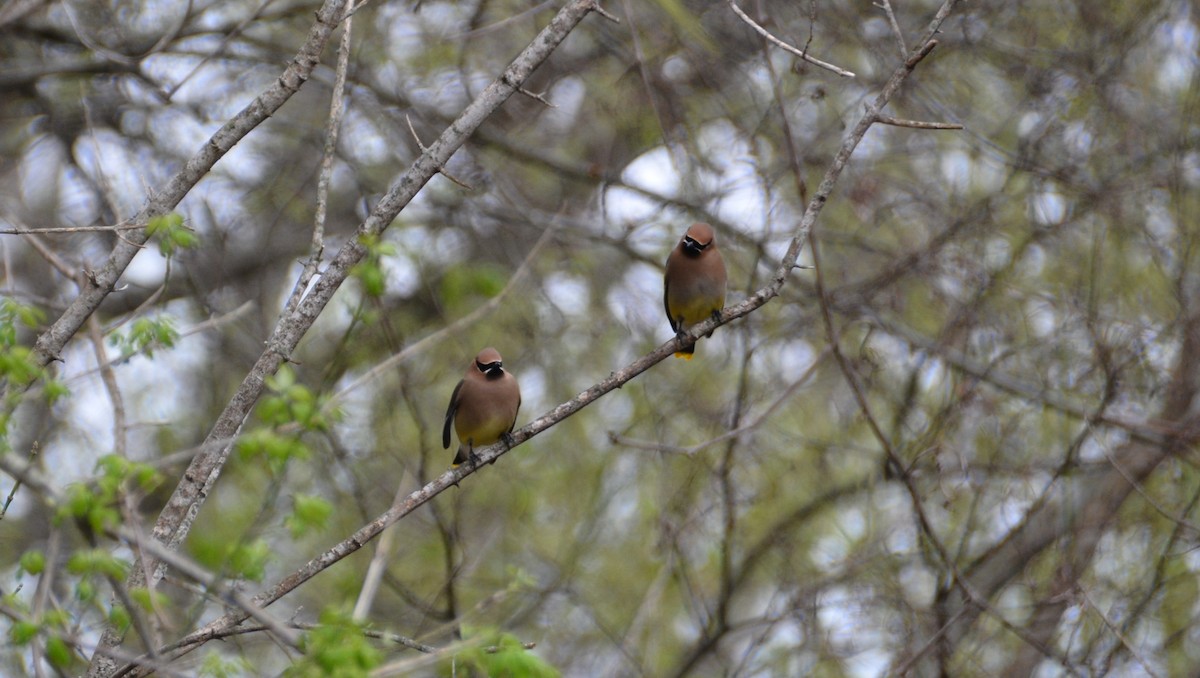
point(803, 54)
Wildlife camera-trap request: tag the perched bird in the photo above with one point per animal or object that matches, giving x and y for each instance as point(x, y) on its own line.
point(483, 407)
point(694, 284)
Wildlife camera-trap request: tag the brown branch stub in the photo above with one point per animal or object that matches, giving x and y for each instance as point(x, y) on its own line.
point(802, 53)
point(604, 13)
point(915, 59)
point(536, 97)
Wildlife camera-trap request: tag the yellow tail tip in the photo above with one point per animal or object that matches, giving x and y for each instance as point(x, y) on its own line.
point(685, 356)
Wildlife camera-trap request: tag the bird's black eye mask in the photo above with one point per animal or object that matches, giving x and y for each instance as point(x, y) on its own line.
point(694, 245)
point(490, 369)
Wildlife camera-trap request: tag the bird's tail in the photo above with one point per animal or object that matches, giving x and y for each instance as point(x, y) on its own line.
point(685, 353)
point(460, 457)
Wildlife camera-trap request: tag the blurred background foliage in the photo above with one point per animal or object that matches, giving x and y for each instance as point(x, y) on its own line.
point(732, 515)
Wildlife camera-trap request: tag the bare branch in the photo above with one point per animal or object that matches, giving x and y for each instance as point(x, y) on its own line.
point(537, 97)
point(803, 54)
point(109, 379)
point(604, 13)
point(70, 229)
point(886, 6)
point(915, 124)
point(332, 126)
point(379, 560)
point(19, 477)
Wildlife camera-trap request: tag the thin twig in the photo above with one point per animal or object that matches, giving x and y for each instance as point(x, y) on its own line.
point(332, 126)
point(25, 473)
point(386, 636)
point(189, 568)
point(887, 9)
point(220, 49)
point(915, 124)
point(383, 549)
point(1137, 487)
point(42, 593)
point(521, 16)
point(1116, 631)
point(109, 379)
point(904, 668)
point(604, 13)
point(12, 494)
point(424, 149)
point(786, 47)
point(536, 97)
point(1153, 434)
point(68, 270)
point(70, 229)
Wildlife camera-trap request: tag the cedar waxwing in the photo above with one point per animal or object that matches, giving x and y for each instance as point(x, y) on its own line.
point(483, 407)
point(694, 284)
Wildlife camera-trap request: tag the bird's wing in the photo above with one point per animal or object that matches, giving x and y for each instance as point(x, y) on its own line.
point(450, 410)
point(667, 305)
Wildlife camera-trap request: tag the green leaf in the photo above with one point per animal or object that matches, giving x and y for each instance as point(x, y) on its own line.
point(216, 666)
point(97, 562)
point(12, 311)
point(57, 652)
point(57, 618)
point(336, 648)
point(501, 655)
point(372, 277)
point(118, 616)
point(281, 380)
point(250, 560)
point(54, 390)
point(33, 562)
point(21, 632)
point(466, 284)
point(85, 590)
point(308, 512)
point(18, 365)
point(148, 600)
point(171, 233)
point(145, 335)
